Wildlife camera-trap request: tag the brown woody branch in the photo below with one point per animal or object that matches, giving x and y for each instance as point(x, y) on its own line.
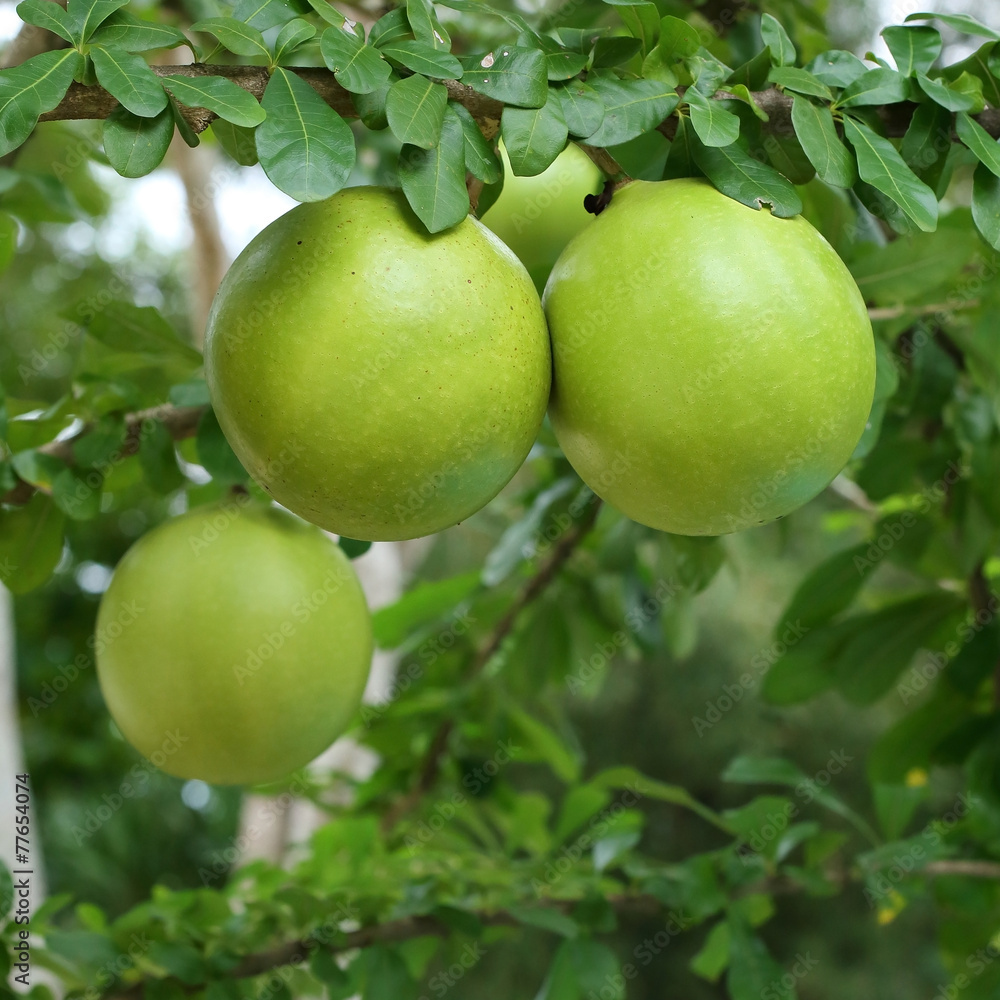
point(95, 102)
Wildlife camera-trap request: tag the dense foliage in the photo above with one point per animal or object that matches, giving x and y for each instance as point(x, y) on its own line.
point(501, 812)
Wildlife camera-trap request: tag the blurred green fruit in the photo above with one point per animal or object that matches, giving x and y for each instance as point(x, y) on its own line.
point(537, 216)
point(233, 644)
point(378, 381)
point(714, 365)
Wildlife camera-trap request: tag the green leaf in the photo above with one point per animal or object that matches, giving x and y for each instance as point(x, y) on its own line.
point(753, 973)
point(801, 81)
point(31, 543)
point(184, 130)
point(678, 39)
point(981, 143)
point(215, 453)
point(877, 86)
point(434, 180)
point(219, 95)
point(133, 34)
point(564, 65)
point(713, 958)
point(371, 107)
point(537, 741)
point(949, 96)
point(9, 230)
point(544, 918)
point(129, 78)
point(582, 108)
point(353, 547)
point(534, 137)
point(263, 14)
point(817, 133)
point(480, 159)
point(883, 643)
point(986, 205)
point(237, 37)
point(615, 50)
point(631, 107)
point(390, 27)
point(513, 75)
point(305, 147)
point(357, 67)
point(715, 126)
point(239, 143)
point(837, 68)
point(78, 494)
point(88, 15)
point(49, 15)
point(158, 460)
point(423, 59)
point(643, 22)
point(134, 146)
point(881, 166)
point(753, 74)
point(829, 589)
point(776, 39)
point(142, 330)
point(30, 89)
point(425, 603)
point(425, 24)
point(293, 34)
point(415, 107)
point(597, 968)
point(927, 139)
point(737, 174)
point(913, 48)
point(964, 23)
point(802, 669)
point(179, 959)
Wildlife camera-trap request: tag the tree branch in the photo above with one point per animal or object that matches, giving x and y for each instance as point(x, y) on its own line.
point(545, 574)
point(95, 102)
point(180, 421)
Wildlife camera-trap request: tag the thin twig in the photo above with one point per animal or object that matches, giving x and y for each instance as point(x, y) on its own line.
point(546, 573)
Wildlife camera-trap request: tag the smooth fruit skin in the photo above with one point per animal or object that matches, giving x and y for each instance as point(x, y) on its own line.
point(378, 381)
point(714, 365)
point(537, 216)
point(233, 644)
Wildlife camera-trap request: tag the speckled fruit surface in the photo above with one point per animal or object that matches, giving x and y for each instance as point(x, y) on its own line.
point(233, 644)
point(378, 381)
point(537, 216)
point(714, 365)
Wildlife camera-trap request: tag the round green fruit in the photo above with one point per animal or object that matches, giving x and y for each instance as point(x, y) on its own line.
point(378, 381)
point(537, 216)
point(233, 644)
point(714, 365)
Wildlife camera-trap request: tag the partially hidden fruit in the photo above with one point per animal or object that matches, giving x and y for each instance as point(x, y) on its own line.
point(378, 381)
point(537, 216)
point(233, 644)
point(714, 365)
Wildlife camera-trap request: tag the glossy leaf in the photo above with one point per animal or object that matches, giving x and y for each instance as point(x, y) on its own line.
point(837, 68)
point(737, 174)
point(948, 96)
point(415, 107)
point(714, 124)
point(30, 89)
point(981, 143)
point(880, 165)
point(434, 180)
point(305, 147)
point(423, 59)
point(88, 15)
point(914, 48)
point(219, 95)
point(631, 107)
point(965, 23)
point(357, 67)
point(877, 86)
point(135, 146)
point(239, 38)
point(480, 159)
point(817, 133)
point(31, 543)
point(129, 78)
point(511, 74)
point(986, 205)
point(133, 34)
point(776, 39)
point(425, 24)
point(800, 81)
point(263, 14)
point(49, 15)
point(293, 34)
point(582, 108)
point(534, 137)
